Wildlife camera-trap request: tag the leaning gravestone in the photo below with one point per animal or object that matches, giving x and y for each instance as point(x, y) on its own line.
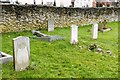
point(21, 53)
point(95, 31)
point(50, 25)
point(44, 37)
point(74, 34)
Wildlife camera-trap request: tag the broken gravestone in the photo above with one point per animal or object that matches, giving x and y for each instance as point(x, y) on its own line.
point(4, 58)
point(50, 25)
point(44, 37)
point(74, 34)
point(21, 53)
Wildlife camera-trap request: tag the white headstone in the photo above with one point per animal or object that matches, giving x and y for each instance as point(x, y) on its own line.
point(50, 25)
point(74, 34)
point(21, 53)
point(95, 31)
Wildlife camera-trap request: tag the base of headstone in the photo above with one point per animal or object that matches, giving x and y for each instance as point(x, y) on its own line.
point(5, 58)
point(108, 29)
point(49, 38)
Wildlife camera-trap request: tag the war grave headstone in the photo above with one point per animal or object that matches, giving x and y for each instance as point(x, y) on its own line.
point(95, 31)
point(50, 25)
point(44, 37)
point(74, 34)
point(21, 56)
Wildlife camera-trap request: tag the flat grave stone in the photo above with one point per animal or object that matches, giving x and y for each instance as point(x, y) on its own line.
point(21, 47)
point(74, 34)
point(50, 25)
point(4, 58)
point(44, 37)
point(49, 38)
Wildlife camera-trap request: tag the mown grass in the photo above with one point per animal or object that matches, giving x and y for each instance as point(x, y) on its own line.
point(60, 59)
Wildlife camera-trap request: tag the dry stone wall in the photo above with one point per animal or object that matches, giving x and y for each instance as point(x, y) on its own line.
point(28, 17)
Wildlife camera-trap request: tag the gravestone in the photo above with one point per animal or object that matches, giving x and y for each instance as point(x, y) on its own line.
point(102, 26)
point(50, 25)
point(44, 37)
point(21, 53)
point(74, 34)
point(95, 31)
point(4, 58)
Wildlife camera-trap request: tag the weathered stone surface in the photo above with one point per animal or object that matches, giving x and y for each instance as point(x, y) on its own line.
point(105, 30)
point(74, 34)
point(21, 53)
point(49, 38)
point(95, 31)
point(4, 58)
point(38, 33)
point(50, 25)
point(19, 17)
point(44, 37)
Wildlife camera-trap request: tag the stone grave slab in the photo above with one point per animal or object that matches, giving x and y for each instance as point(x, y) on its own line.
point(49, 38)
point(108, 29)
point(50, 25)
point(4, 58)
point(74, 34)
point(44, 37)
point(21, 57)
point(102, 26)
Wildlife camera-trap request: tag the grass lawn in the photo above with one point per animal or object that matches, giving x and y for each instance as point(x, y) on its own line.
point(60, 59)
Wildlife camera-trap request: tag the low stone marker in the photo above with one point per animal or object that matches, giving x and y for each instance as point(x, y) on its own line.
point(4, 58)
point(50, 25)
point(21, 53)
point(74, 34)
point(102, 26)
point(44, 37)
point(95, 31)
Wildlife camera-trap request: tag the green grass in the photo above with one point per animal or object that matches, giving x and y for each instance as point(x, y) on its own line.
point(60, 59)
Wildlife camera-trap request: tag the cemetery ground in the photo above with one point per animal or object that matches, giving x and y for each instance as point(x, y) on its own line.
point(60, 59)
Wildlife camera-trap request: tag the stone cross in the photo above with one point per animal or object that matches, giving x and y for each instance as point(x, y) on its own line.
point(74, 34)
point(95, 31)
point(21, 47)
point(50, 25)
